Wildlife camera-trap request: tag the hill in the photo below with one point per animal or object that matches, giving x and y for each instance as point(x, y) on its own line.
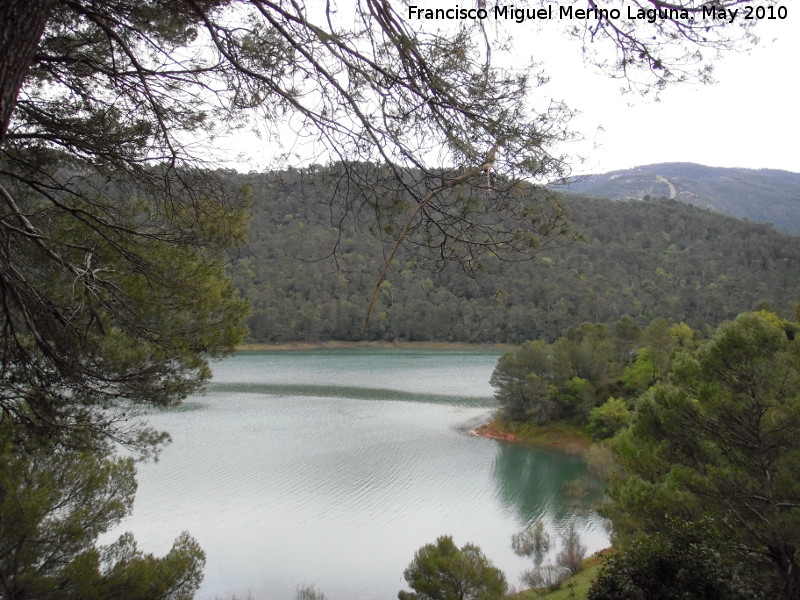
point(763, 195)
point(651, 259)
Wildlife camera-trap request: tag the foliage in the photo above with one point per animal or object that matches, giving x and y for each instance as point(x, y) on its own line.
point(567, 380)
point(545, 577)
point(609, 418)
point(114, 293)
point(442, 571)
point(53, 506)
point(600, 460)
point(105, 105)
point(103, 196)
point(642, 373)
point(719, 439)
point(719, 268)
point(112, 233)
point(576, 586)
point(684, 561)
point(523, 379)
point(109, 306)
point(534, 541)
point(308, 592)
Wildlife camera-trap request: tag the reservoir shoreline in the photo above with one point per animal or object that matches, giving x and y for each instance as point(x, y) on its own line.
point(381, 345)
point(558, 437)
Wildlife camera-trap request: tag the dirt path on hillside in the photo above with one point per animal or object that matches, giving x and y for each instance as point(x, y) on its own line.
point(669, 183)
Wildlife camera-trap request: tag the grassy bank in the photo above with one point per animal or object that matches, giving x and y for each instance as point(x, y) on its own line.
point(558, 436)
point(574, 588)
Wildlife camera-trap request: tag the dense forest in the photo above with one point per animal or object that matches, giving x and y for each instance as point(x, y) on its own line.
point(308, 272)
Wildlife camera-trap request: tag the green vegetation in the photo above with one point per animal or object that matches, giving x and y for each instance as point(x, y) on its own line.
point(686, 560)
point(54, 505)
point(113, 239)
point(575, 587)
point(702, 463)
point(647, 260)
point(534, 541)
point(609, 418)
point(718, 439)
point(115, 234)
point(590, 375)
point(442, 571)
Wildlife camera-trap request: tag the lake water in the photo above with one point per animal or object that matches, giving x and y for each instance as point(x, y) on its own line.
point(333, 467)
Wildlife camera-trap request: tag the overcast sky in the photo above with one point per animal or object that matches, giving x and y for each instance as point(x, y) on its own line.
point(749, 118)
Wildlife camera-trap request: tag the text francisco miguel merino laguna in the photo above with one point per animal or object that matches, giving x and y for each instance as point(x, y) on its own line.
point(550, 11)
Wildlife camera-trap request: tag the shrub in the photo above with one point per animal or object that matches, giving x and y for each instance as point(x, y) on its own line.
point(442, 571)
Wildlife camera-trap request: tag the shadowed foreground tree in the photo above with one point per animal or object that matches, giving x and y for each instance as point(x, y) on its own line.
point(54, 505)
point(111, 288)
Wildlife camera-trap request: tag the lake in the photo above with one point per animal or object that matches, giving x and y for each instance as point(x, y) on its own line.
point(333, 467)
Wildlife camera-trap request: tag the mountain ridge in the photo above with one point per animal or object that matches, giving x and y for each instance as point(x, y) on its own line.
point(761, 195)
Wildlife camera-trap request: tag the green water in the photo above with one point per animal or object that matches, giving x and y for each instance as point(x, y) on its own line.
point(333, 467)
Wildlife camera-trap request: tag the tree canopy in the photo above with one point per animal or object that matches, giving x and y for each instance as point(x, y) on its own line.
point(683, 561)
point(575, 378)
point(443, 571)
point(645, 259)
point(54, 505)
point(718, 438)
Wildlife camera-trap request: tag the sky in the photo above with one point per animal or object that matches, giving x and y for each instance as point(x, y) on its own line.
point(750, 116)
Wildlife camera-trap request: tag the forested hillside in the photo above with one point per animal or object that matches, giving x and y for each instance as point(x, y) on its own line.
point(763, 195)
point(649, 259)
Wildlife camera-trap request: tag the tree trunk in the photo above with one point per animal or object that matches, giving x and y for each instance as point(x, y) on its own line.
point(784, 556)
point(22, 23)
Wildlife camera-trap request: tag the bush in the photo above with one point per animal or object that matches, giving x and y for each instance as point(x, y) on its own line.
point(53, 506)
point(600, 461)
point(684, 562)
point(607, 419)
point(545, 577)
point(441, 571)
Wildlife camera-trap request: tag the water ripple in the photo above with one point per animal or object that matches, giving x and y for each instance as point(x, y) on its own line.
point(286, 483)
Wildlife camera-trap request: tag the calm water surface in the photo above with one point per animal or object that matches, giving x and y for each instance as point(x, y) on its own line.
point(333, 467)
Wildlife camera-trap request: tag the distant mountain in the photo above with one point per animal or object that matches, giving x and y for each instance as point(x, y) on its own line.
point(763, 195)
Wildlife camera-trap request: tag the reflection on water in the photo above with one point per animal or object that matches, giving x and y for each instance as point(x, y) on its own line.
point(334, 468)
point(348, 391)
point(548, 486)
point(534, 483)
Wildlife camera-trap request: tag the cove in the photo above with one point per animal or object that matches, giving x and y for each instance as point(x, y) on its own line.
point(333, 467)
